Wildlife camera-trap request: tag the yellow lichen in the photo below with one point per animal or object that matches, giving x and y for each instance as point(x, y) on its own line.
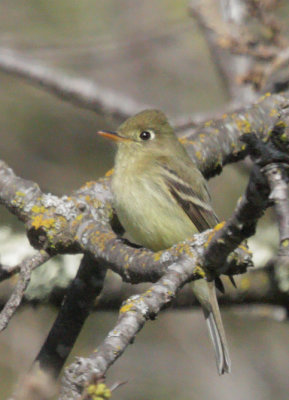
point(38, 209)
point(273, 112)
point(109, 172)
point(281, 124)
point(243, 125)
point(126, 308)
point(199, 155)
point(219, 226)
point(20, 194)
point(284, 137)
point(262, 98)
point(184, 140)
point(200, 272)
point(182, 248)
point(285, 243)
point(39, 221)
point(245, 249)
point(98, 391)
point(157, 256)
point(89, 184)
point(212, 234)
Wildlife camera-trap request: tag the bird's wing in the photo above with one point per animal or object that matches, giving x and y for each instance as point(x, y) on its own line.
point(181, 179)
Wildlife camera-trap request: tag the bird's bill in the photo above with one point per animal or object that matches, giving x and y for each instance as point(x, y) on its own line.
point(115, 136)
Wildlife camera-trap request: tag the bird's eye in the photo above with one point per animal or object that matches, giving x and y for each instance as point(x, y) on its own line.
point(146, 135)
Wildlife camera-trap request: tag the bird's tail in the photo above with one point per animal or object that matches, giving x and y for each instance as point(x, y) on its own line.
point(206, 294)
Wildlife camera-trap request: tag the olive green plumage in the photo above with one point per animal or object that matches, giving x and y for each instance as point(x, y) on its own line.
point(161, 198)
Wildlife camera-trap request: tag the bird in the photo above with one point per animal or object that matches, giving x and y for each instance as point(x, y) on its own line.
point(161, 198)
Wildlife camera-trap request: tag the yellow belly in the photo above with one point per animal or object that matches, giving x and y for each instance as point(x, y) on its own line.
point(150, 216)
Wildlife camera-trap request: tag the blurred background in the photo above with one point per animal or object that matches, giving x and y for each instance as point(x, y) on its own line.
point(153, 52)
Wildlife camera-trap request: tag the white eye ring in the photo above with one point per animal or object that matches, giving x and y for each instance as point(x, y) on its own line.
point(147, 135)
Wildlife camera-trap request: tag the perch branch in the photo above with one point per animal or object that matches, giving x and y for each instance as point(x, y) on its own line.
point(81, 223)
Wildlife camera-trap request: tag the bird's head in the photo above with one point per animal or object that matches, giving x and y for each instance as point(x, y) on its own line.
point(148, 129)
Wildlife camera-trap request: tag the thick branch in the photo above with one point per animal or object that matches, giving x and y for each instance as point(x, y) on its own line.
point(216, 143)
point(81, 223)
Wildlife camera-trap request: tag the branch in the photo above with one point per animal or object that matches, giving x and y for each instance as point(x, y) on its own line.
point(275, 77)
point(82, 223)
point(133, 315)
point(277, 175)
point(279, 195)
point(246, 43)
point(78, 91)
point(273, 159)
point(25, 268)
point(216, 143)
point(77, 305)
point(257, 286)
point(241, 225)
point(220, 20)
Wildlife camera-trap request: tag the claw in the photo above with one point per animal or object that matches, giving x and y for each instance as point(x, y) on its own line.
point(233, 281)
point(219, 285)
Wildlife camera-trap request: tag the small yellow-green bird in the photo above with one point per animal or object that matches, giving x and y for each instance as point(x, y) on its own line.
point(161, 198)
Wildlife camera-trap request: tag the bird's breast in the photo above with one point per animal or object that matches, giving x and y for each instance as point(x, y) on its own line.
point(148, 212)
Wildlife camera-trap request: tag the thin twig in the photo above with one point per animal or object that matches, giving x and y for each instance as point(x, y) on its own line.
point(26, 268)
